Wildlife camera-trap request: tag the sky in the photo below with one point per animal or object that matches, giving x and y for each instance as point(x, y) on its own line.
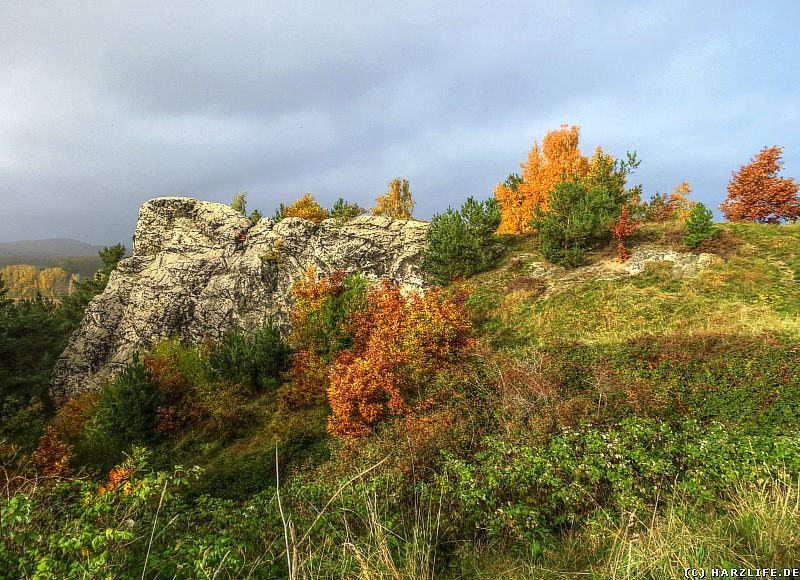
point(106, 104)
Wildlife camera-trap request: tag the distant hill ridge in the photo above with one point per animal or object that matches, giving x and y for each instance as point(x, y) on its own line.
point(49, 248)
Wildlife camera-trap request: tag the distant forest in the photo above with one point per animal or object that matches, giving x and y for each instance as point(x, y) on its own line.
point(50, 278)
point(49, 268)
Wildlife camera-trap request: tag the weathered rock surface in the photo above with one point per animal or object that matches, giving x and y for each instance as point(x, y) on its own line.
point(191, 276)
point(683, 263)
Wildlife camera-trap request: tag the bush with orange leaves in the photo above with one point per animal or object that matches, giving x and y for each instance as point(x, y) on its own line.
point(52, 456)
point(399, 344)
point(306, 382)
point(179, 407)
point(664, 207)
point(319, 330)
point(307, 208)
point(118, 478)
point(622, 229)
point(70, 421)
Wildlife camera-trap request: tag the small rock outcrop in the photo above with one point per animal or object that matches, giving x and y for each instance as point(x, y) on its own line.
point(198, 269)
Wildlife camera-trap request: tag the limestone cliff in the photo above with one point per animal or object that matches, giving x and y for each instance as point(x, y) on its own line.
point(191, 275)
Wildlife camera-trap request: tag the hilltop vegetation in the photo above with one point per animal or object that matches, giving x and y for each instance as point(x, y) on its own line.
point(559, 412)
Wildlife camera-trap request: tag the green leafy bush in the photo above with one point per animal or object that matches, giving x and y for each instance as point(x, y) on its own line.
point(514, 490)
point(79, 530)
point(699, 226)
point(462, 243)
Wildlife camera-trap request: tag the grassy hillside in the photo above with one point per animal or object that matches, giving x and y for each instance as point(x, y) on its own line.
point(602, 425)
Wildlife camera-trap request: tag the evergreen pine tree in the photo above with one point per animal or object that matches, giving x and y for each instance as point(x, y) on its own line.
point(462, 243)
point(699, 226)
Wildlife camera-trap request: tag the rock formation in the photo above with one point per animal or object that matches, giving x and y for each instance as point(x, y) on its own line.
point(198, 271)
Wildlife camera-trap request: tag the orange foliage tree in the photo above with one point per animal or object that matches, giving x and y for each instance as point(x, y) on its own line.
point(757, 194)
point(395, 203)
point(679, 201)
point(399, 343)
point(558, 157)
point(179, 408)
point(307, 208)
point(321, 309)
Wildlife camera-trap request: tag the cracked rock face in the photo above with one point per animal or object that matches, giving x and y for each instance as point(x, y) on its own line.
point(197, 271)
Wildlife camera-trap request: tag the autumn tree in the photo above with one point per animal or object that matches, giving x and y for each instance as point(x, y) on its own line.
point(622, 229)
point(21, 280)
point(756, 193)
point(307, 208)
point(399, 344)
point(662, 207)
point(322, 308)
point(52, 455)
point(557, 159)
point(4, 300)
point(679, 201)
point(52, 282)
point(395, 203)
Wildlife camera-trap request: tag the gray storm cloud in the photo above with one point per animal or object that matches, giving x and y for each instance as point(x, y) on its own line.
point(106, 104)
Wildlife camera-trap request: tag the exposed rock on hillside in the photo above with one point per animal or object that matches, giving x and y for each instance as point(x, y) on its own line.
point(192, 276)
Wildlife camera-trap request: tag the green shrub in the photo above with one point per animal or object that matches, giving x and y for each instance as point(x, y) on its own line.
point(577, 220)
point(699, 226)
point(514, 490)
point(126, 414)
point(462, 243)
point(344, 210)
point(581, 211)
point(255, 362)
point(85, 529)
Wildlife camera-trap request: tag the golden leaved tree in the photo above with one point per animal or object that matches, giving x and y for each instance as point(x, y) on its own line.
point(307, 208)
point(558, 157)
point(395, 203)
